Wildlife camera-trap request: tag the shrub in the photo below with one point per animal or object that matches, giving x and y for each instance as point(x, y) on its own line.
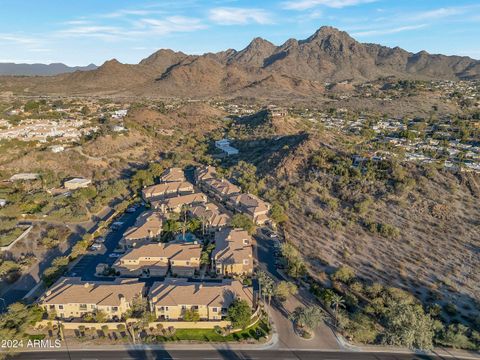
point(344, 274)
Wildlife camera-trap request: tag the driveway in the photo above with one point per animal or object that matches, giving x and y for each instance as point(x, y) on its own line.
point(279, 312)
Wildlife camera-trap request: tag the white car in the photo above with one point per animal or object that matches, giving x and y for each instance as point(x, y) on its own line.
point(114, 255)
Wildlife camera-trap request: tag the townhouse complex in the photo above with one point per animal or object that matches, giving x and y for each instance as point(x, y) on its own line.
point(187, 274)
point(72, 297)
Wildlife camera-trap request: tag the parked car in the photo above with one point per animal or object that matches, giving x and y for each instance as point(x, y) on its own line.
point(116, 225)
point(95, 247)
point(114, 255)
point(100, 240)
point(131, 210)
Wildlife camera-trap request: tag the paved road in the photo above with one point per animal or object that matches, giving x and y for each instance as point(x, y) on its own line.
point(279, 311)
point(218, 354)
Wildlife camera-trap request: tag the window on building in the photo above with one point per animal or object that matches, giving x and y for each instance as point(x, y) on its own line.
point(245, 261)
point(83, 306)
point(214, 309)
point(60, 307)
point(114, 308)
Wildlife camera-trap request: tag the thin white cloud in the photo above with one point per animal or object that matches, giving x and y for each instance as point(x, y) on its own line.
point(309, 4)
point(239, 16)
point(132, 12)
point(389, 30)
point(440, 13)
point(171, 24)
point(18, 39)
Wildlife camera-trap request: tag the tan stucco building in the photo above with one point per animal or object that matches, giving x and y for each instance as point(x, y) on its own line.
point(183, 259)
point(175, 204)
point(168, 189)
point(71, 297)
point(251, 206)
point(233, 252)
point(148, 227)
point(171, 298)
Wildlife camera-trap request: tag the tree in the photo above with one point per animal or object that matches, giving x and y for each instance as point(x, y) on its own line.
point(337, 301)
point(240, 313)
point(191, 315)
point(408, 325)
point(267, 285)
point(243, 222)
point(308, 317)
point(284, 289)
point(100, 316)
point(277, 213)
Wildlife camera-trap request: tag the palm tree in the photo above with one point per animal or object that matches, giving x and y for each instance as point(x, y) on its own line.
point(337, 301)
point(308, 317)
point(267, 286)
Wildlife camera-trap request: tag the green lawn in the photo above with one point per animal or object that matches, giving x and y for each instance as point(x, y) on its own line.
point(257, 331)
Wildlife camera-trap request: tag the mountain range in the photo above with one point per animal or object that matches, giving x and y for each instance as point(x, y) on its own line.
point(41, 69)
point(300, 67)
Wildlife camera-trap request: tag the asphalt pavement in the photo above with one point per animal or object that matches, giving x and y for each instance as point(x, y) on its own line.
point(86, 267)
point(219, 354)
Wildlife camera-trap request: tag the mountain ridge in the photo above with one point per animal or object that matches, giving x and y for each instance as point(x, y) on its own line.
point(38, 69)
point(296, 66)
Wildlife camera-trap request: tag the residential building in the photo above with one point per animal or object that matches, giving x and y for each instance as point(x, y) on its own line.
point(163, 190)
point(175, 204)
point(173, 175)
point(220, 189)
point(203, 173)
point(225, 146)
point(210, 216)
point(57, 148)
point(25, 177)
point(171, 298)
point(3, 202)
point(147, 227)
point(72, 297)
point(77, 183)
point(155, 260)
point(233, 252)
point(251, 206)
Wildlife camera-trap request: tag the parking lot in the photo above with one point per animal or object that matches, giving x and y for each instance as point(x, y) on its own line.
point(86, 267)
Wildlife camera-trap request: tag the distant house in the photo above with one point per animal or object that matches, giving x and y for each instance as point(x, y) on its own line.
point(225, 146)
point(25, 177)
point(119, 128)
point(77, 183)
point(119, 114)
point(72, 297)
point(233, 252)
point(57, 148)
point(170, 299)
point(3, 202)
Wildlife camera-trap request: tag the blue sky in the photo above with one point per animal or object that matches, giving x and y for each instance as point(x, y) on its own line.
point(79, 32)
